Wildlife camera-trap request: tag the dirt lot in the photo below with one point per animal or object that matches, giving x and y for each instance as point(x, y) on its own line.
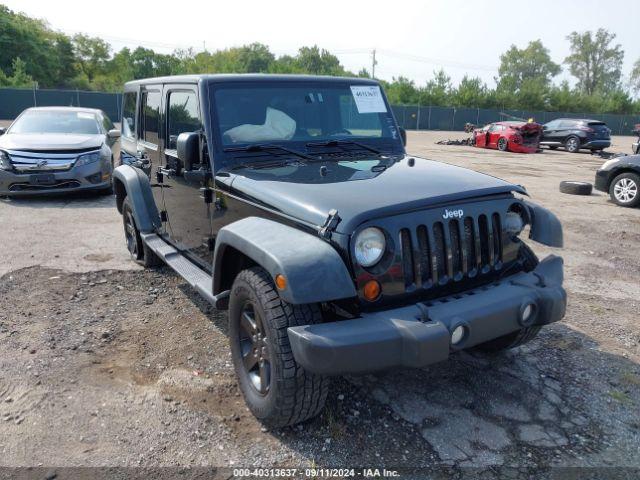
point(102, 363)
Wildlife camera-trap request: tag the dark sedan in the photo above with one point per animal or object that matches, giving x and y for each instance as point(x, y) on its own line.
point(575, 134)
point(620, 177)
point(56, 150)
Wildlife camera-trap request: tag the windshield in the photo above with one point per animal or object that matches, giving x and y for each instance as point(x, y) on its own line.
point(51, 121)
point(313, 112)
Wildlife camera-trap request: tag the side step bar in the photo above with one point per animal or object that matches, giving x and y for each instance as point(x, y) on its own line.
point(194, 276)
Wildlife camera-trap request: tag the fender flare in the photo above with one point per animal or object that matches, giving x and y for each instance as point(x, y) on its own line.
point(135, 184)
point(314, 270)
point(545, 226)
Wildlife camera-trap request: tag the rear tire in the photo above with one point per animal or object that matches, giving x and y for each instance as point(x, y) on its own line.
point(138, 250)
point(625, 190)
point(572, 144)
point(503, 145)
point(277, 390)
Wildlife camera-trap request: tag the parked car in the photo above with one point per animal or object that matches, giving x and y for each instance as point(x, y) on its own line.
point(56, 150)
point(290, 202)
point(635, 147)
point(620, 177)
point(575, 134)
point(519, 137)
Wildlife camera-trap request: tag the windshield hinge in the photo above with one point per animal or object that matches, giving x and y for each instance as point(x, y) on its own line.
point(330, 224)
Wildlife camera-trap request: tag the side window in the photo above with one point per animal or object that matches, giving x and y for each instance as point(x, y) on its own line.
point(107, 124)
point(128, 126)
point(182, 115)
point(150, 117)
point(567, 124)
point(552, 124)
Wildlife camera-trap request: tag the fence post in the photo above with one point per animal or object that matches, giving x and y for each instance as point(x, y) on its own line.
point(453, 119)
point(78, 96)
point(418, 118)
point(35, 101)
point(429, 119)
point(478, 117)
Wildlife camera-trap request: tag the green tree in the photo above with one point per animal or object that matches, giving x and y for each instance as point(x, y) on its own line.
point(402, 91)
point(314, 60)
point(471, 92)
point(19, 78)
point(635, 77)
point(517, 66)
point(437, 91)
point(92, 54)
point(594, 61)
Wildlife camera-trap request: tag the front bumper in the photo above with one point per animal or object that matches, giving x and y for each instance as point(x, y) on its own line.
point(86, 177)
point(420, 335)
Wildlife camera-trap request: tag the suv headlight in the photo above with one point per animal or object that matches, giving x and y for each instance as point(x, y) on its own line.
point(369, 246)
point(5, 161)
point(88, 158)
point(514, 223)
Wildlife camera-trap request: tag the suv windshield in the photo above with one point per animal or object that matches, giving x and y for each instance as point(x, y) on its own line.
point(51, 121)
point(302, 112)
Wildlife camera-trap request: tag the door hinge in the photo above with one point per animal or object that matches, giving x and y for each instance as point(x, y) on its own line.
point(163, 216)
point(330, 224)
point(206, 194)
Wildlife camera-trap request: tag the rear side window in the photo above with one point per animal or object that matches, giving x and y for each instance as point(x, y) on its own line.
point(150, 117)
point(129, 114)
point(568, 124)
point(182, 115)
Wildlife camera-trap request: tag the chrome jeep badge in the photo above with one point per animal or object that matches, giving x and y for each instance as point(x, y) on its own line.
point(453, 214)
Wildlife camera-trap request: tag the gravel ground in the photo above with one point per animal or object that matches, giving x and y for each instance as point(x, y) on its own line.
point(103, 364)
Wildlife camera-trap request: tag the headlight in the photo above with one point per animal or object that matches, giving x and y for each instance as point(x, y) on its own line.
point(88, 158)
point(513, 223)
point(5, 161)
point(369, 246)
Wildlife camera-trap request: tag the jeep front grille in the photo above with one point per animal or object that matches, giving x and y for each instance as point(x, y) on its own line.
point(451, 250)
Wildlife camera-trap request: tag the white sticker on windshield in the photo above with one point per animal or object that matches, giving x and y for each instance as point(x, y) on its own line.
point(368, 99)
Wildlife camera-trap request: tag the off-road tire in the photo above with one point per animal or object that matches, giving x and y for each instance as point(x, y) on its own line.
point(503, 144)
point(524, 335)
point(632, 181)
point(294, 395)
point(138, 250)
point(572, 144)
point(576, 188)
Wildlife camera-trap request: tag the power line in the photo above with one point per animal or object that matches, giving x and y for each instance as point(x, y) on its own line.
point(437, 61)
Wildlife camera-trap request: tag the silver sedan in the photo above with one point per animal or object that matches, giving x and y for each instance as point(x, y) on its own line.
point(57, 150)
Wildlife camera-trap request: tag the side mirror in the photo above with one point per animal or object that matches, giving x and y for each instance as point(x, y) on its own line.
point(113, 133)
point(403, 135)
point(2, 130)
point(188, 146)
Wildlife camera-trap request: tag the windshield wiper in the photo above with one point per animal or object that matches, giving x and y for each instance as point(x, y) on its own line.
point(266, 148)
point(339, 143)
point(265, 164)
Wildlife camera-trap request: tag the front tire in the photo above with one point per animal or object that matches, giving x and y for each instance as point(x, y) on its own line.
point(503, 145)
point(625, 190)
point(277, 390)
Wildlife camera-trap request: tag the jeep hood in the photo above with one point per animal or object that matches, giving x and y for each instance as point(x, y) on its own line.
point(360, 190)
point(49, 141)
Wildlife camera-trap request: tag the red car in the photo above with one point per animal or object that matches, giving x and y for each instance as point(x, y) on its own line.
point(519, 137)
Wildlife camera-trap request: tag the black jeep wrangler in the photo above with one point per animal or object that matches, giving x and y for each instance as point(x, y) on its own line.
point(290, 201)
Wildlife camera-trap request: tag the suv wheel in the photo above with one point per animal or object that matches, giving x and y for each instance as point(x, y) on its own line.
point(277, 390)
point(139, 251)
point(624, 190)
point(524, 335)
point(572, 144)
point(502, 144)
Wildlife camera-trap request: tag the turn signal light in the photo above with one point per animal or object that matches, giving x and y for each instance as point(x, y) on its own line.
point(372, 290)
point(281, 282)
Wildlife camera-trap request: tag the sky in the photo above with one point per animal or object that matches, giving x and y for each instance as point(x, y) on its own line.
point(412, 38)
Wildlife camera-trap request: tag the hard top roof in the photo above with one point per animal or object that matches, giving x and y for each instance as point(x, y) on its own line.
point(65, 109)
point(248, 77)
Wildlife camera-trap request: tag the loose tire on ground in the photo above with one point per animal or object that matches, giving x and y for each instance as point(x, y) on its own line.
point(625, 190)
point(277, 390)
point(576, 188)
point(138, 250)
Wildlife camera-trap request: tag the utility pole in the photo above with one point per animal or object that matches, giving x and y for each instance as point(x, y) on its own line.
point(373, 63)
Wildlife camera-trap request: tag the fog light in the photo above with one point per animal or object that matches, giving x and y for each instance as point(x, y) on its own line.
point(457, 335)
point(527, 312)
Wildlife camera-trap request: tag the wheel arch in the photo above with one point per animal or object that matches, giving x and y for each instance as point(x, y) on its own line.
point(132, 183)
point(619, 171)
point(313, 269)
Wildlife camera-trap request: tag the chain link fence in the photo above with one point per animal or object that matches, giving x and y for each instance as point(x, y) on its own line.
point(411, 117)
